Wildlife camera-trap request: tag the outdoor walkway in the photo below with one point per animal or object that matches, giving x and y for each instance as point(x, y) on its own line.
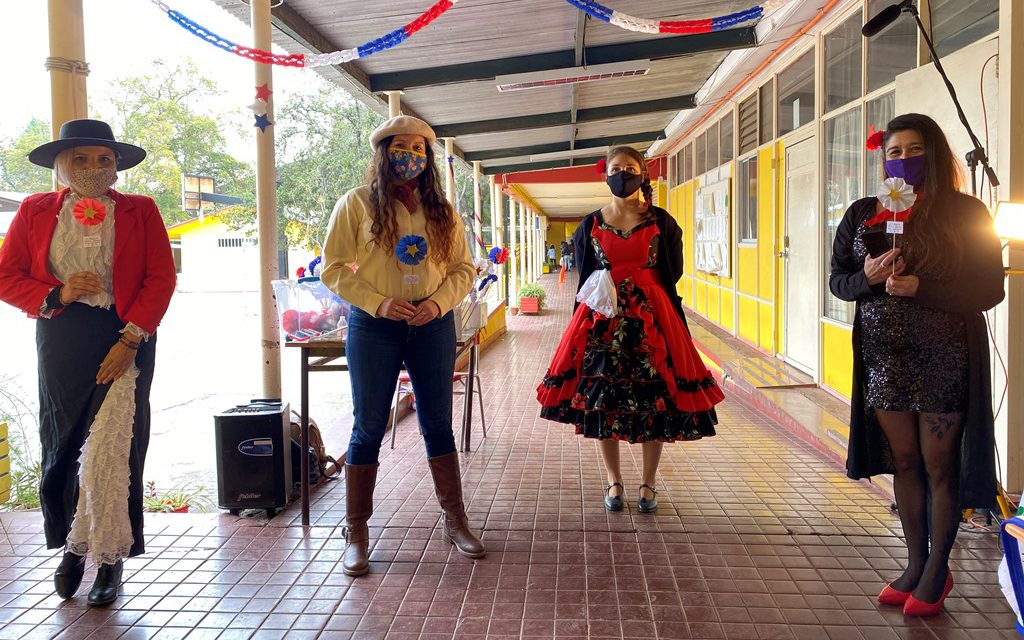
point(757, 536)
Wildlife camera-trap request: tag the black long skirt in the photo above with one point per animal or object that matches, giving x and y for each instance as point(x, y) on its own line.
point(71, 346)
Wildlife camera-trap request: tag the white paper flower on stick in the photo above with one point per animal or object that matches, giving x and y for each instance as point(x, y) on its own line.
point(896, 195)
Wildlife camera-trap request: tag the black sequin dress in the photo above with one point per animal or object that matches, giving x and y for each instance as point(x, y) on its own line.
point(915, 357)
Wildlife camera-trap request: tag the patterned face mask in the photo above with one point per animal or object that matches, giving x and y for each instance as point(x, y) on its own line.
point(92, 183)
point(406, 164)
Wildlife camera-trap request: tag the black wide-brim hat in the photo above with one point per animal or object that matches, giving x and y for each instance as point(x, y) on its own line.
point(87, 133)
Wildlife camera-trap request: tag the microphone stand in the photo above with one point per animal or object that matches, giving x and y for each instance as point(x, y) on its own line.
point(977, 155)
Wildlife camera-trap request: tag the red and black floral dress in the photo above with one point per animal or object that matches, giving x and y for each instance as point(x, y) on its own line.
point(635, 376)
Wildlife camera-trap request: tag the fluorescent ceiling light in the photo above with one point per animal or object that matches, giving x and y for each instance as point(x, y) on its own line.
point(572, 75)
point(559, 155)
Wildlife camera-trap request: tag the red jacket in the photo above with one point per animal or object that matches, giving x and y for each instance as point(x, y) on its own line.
point(143, 265)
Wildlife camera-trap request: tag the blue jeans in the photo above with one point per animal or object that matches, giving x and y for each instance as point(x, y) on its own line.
point(376, 349)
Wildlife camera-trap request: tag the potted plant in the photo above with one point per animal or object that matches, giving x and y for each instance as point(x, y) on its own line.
point(531, 298)
point(177, 500)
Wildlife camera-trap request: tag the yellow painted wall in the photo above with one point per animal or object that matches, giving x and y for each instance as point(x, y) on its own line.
point(837, 358)
point(5, 464)
point(767, 206)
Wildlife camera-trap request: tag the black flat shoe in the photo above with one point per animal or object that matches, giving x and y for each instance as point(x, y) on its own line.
point(613, 503)
point(108, 580)
point(68, 576)
point(644, 505)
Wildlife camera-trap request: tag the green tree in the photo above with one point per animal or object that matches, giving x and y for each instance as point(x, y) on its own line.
point(322, 153)
point(16, 172)
point(163, 112)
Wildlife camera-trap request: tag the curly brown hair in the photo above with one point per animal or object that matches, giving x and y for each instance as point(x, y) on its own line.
point(933, 230)
point(439, 212)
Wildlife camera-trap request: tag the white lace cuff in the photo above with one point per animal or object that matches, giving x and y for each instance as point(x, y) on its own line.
point(135, 330)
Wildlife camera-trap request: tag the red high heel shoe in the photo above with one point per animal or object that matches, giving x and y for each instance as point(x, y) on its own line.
point(893, 596)
point(920, 608)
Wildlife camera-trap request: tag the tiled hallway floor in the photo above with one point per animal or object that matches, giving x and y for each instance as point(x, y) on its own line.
point(757, 536)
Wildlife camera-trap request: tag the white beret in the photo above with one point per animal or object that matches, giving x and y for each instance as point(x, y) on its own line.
point(402, 125)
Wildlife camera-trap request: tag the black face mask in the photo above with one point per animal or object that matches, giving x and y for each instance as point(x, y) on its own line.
point(624, 184)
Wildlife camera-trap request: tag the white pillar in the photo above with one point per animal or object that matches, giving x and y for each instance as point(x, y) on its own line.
point(449, 166)
point(66, 65)
point(513, 262)
point(394, 103)
point(266, 208)
point(528, 235)
point(1010, 315)
point(478, 223)
point(497, 224)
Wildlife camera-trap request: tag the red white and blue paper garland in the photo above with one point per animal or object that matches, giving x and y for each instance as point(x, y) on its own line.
point(645, 25)
point(386, 41)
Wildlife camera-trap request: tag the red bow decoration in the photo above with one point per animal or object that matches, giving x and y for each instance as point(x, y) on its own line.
point(875, 140)
point(90, 212)
point(887, 216)
point(602, 166)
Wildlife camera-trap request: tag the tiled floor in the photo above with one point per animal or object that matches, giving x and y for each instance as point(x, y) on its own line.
point(757, 536)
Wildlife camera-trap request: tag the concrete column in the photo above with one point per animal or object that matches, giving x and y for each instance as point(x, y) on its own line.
point(497, 224)
point(266, 209)
point(528, 239)
point(394, 103)
point(66, 64)
point(513, 261)
point(478, 223)
point(449, 179)
point(1010, 315)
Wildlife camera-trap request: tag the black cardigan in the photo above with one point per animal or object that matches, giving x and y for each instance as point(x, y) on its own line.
point(975, 288)
point(670, 254)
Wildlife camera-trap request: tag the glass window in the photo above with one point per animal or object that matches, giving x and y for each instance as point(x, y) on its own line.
point(843, 63)
point(766, 126)
point(879, 112)
point(688, 162)
point(673, 171)
point(700, 159)
point(748, 124)
point(958, 23)
point(892, 51)
point(726, 137)
point(844, 142)
point(746, 200)
point(713, 147)
point(796, 94)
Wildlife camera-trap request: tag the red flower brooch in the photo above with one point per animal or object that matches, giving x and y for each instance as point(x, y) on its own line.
point(875, 140)
point(90, 212)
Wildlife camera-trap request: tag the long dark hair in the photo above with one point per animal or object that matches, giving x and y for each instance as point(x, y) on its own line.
point(933, 233)
point(439, 212)
point(645, 187)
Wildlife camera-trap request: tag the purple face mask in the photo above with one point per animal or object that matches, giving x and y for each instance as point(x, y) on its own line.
point(912, 170)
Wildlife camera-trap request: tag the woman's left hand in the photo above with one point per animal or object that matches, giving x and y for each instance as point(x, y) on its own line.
point(425, 312)
point(903, 286)
point(117, 362)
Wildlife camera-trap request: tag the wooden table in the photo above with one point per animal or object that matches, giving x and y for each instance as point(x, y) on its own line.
point(322, 356)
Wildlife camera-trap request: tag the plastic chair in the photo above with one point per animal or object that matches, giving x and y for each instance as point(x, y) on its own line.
point(458, 376)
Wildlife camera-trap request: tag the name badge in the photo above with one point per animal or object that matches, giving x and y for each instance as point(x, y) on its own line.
point(92, 242)
point(411, 279)
point(894, 227)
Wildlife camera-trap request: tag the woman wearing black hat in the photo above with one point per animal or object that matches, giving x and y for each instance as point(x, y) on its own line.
point(95, 267)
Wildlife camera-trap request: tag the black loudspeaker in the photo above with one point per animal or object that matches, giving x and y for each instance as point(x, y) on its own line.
point(254, 457)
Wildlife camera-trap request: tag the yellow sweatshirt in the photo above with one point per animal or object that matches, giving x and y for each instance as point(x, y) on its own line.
point(380, 275)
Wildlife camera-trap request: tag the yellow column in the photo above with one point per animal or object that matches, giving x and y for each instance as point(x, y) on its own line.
point(1010, 156)
point(266, 206)
point(66, 63)
point(394, 103)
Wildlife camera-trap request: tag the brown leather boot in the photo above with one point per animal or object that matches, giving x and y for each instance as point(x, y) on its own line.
point(359, 482)
point(448, 487)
